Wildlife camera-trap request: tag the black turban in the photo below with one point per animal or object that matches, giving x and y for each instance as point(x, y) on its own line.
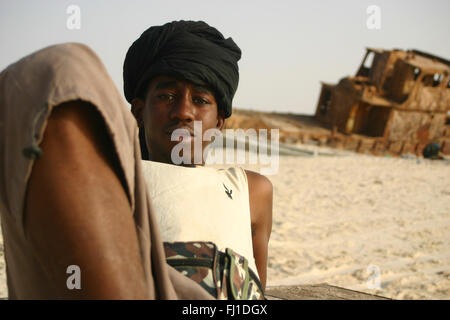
point(191, 50)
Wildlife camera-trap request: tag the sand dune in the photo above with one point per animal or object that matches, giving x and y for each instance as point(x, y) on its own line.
point(336, 216)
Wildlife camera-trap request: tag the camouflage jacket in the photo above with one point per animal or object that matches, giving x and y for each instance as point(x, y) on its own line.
point(225, 275)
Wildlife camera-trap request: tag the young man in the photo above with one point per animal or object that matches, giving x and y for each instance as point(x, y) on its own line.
point(175, 75)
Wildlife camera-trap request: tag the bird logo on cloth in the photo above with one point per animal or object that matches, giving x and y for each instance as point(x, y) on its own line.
point(228, 192)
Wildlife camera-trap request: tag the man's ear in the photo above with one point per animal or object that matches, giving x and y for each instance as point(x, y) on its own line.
point(220, 123)
point(137, 109)
point(220, 120)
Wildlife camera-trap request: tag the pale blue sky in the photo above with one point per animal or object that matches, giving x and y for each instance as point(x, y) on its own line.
point(288, 46)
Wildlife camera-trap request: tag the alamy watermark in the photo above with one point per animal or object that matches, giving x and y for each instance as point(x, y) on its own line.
point(374, 280)
point(73, 21)
point(373, 21)
point(74, 280)
point(230, 148)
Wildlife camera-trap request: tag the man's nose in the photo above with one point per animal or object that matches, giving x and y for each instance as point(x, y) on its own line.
point(183, 109)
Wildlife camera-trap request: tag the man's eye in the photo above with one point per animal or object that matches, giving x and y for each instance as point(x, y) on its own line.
point(201, 101)
point(167, 97)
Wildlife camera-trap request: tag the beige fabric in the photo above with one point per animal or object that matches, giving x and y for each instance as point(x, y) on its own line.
point(29, 89)
point(191, 204)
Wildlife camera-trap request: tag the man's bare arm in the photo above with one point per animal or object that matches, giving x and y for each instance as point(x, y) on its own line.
point(77, 210)
point(261, 194)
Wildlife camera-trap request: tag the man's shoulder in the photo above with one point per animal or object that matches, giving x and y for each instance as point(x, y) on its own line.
point(259, 184)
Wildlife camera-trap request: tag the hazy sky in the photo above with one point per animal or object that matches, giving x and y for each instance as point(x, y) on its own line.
point(288, 47)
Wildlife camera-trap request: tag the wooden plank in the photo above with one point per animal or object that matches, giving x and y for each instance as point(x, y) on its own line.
point(379, 148)
point(351, 144)
point(321, 291)
point(396, 147)
point(365, 145)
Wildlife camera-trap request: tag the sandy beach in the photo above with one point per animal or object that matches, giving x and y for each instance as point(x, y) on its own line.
point(335, 217)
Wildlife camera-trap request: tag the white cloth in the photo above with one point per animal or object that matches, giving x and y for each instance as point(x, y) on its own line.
point(202, 204)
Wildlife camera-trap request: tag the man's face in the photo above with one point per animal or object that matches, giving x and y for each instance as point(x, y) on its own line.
point(170, 104)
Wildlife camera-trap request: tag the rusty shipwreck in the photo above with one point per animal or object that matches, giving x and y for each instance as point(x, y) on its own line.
point(397, 103)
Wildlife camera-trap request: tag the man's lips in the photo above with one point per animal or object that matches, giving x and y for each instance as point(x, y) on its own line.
point(182, 133)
